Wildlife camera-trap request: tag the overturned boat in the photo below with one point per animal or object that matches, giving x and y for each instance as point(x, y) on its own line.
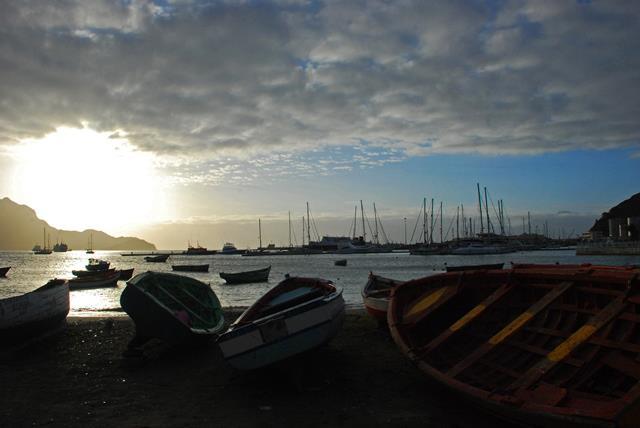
point(295, 316)
point(375, 295)
point(173, 308)
point(539, 345)
point(258, 275)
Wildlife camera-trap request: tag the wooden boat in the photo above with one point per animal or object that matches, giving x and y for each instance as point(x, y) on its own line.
point(173, 308)
point(259, 275)
point(86, 273)
point(375, 295)
point(4, 270)
point(190, 268)
point(97, 265)
point(342, 262)
point(473, 267)
point(125, 274)
point(33, 315)
point(541, 346)
point(295, 316)
point(160, 258)
point(99, 280)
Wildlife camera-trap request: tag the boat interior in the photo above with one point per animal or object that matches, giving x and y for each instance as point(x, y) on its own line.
point(565, 341)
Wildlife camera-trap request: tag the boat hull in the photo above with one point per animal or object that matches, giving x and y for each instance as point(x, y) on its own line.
point(190, 268)
point(4, 270)
point(285, 334)
point(260, 275)
point(100, 280)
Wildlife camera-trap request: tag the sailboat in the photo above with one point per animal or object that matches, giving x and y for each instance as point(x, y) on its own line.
point(45, 249)
point(90, 249)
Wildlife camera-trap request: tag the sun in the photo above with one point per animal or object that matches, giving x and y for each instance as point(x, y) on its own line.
point(80, 178)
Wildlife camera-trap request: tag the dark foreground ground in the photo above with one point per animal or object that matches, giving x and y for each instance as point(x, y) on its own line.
point(79, 378)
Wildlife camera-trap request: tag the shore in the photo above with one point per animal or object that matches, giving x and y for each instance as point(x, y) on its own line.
point(80, 378)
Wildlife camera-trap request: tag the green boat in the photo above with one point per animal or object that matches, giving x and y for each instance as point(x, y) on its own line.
point(174, 308)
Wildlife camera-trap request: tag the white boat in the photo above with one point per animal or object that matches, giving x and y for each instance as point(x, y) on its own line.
point(375, 295)
point(33, 315)
point(229, 248)
point(295, 316)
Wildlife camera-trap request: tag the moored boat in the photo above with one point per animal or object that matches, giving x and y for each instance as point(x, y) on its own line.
point(97, 265)
point(229, 249)
point(85, 273)
point(190, 268)
point(160, 258)
point(258, 275)
point(375, 295)
point(542, 346)
point(173, 308)
point(198, 251)
point(342, 262)
point(4, 270)
point(125, 274)
point(473, 267)
point(99, 280)
point(32, 315)
point(295, 316)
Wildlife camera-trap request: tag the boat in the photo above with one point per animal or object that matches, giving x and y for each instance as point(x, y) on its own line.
point(479, 248)
point(99, 280)
point(125, 274)
point(375, 295)
point(173, 308)
point(4, 270)
point(33, 315)
point(198, 251)
point(160, 258)
point(60, 247)
point(541, 346)
point(295, 316)
point(190, 268)
point(473, 267)
point(229, 249)
point(342, 262)
point(44, 249)
point(85, 273)
point(97, 265)
point(259, 275)
point(90, 246)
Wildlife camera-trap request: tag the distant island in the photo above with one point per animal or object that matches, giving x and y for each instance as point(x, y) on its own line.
point(21, 229)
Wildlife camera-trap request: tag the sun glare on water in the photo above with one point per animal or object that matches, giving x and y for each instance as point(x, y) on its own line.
point(79, 178)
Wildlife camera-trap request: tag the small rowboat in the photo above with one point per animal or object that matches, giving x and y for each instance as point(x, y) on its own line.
point(85, 273)
point(342, 262)
point(125, 274)
point(4, 270)
point(473, 267)
point(99, 280)
point(33, 315)
point(295, 316)
point(190, 268)
point(375, 295)
point(540, 345)
point(259, 275)
point(161, 258)
point(173, 308)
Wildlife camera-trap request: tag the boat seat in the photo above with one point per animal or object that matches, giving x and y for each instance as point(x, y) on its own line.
point(269, 310)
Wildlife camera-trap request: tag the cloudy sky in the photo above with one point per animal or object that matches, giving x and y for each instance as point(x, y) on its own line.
point(126, 115)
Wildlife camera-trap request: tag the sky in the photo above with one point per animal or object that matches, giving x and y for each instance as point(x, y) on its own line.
point(189, 120)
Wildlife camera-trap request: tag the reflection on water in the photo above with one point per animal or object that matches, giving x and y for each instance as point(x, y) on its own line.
point(29, 271)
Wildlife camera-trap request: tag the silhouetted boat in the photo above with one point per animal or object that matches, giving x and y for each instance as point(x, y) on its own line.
point(541, 346)
point(125, 274)
point(375, 295)
point(90, 246)
point(160, 258)
point(259, 275)
point(198, 251)
point(60, 247)
point(99, 280)
point(295, 316)
point(97, 265)
point(44, 249)
point(4, 270)
point(473, 267)
point(479, 248)
point(85, 273)
point(228, 249)
point(170, 307)
point(32, 315)
point(190, 268)
point(342, 262)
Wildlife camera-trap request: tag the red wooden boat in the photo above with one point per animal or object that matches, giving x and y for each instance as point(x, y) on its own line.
point(375, 295)
point(539, 345)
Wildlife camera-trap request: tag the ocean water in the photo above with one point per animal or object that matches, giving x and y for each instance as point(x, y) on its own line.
point(29, 271)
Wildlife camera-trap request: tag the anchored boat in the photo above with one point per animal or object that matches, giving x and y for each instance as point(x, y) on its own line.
point(540, 345)
point(97, 280)
point(296, 315)
point(375, 295)
point(190, 268)
point(161, 258)
point(258, 275)
point(4, 270)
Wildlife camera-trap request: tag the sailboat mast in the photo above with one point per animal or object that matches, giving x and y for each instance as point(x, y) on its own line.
point(480, 207)
point(441, 235)
point(259, 234)
point(364, 231)
point(355, 222)
point(308, 226)
point(458, 223)
point(464, 223)
point(375, 219)
point(431, 224)
point(289, 229)
point(424, 220)
point(303, 231)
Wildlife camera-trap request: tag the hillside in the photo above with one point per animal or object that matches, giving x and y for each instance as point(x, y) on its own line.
point(627, 208)
point(21, 229)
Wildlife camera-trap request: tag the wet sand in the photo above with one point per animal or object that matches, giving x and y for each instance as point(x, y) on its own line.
point(80, 378)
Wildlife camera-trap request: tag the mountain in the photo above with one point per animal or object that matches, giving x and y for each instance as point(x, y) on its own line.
point(627, 208)
point(21, 229)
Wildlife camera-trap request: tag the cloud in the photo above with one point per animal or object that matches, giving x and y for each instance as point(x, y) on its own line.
point(199, 82)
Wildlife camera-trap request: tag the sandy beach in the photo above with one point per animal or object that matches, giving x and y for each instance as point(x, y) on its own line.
point(80, 378)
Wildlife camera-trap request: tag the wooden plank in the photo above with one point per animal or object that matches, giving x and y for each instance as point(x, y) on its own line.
point(623, 364)
point(511, 328)
point(466, 318)
point(580, 336)
point(428, 302)
point(607, 343)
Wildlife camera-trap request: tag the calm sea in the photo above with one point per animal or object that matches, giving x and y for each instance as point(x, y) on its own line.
point(29, 271)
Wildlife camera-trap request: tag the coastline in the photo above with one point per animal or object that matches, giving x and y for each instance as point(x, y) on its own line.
point(79, 378)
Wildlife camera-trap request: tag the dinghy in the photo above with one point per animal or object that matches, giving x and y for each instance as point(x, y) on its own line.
point(190, 268)
point(161, 258)
point(295, 316)
point(540, 345)
point(4, 270)
point(259, 275)
point(473, 267)
point(85, 273)
point(375, 295)
point(173, 308)
point(99, 280)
